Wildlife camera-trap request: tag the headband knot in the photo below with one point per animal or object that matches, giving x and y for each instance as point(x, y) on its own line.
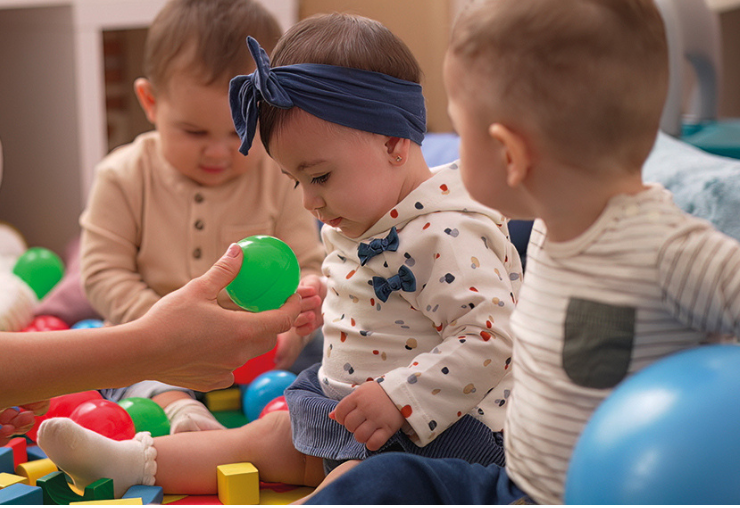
point(363, 100)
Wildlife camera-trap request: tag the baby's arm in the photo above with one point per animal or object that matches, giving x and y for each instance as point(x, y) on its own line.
point(291, 343)
point(699, 272)
point(108, 250)
point(298, 228)
point(468, 275)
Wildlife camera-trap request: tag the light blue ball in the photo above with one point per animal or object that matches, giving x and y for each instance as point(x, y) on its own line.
point(263, 389)
point(87, 323)
point(669, 434)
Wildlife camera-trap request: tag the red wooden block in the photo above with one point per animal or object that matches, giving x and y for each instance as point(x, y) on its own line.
point(18, 444)
point(197, 500)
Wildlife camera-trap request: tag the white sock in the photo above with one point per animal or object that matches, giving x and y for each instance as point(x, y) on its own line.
point(190, 415)
point(87, 456)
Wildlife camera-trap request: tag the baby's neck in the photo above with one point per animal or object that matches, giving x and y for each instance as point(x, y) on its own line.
point(576, 199)
point(416, 172)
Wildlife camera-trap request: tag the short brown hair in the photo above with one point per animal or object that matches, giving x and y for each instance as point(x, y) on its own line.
point(207, 38)
point(343, 40)
point(589, 76)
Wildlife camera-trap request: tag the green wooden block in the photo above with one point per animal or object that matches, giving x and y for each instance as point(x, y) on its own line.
point(57, 490)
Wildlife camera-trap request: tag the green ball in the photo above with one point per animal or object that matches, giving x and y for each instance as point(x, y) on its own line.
point(147, 415)
point(40, 268)
point(268, 276)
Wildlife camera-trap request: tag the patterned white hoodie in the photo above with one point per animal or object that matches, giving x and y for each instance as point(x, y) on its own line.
point(421, 303)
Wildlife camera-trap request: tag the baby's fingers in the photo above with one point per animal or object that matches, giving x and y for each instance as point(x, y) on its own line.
point(23, 422)
point(304, 319)
point(7, 415)
point(377, 439)
point(344, 407)
point(306, 291)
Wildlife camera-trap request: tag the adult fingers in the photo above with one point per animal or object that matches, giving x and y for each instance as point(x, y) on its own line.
point(273, 322)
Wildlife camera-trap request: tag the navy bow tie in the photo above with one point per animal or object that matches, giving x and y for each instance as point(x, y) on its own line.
point(365, 251)
point(404, 281)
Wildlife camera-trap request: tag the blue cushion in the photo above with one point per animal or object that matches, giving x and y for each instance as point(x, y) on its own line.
point(704, 185)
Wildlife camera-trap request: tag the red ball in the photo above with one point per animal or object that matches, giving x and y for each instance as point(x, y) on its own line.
point(63, 405)
point(46, 324)
point(106, 418)
point(276, 404)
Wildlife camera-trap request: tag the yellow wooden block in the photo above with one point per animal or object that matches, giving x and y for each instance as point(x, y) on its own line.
point(7, 479)
point(238, 483)
point(271, 497)
point(129, 500)
point(229, 399)
point(35, 469)
point(171, 498)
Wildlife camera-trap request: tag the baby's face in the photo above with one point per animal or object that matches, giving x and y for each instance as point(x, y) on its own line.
point(345, 174)
point(197, 132)
point(483, 159)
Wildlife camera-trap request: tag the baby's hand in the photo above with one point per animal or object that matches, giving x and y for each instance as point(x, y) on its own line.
point(313, 291)
point(289, 346)
point(17, 421)
point(369, 414)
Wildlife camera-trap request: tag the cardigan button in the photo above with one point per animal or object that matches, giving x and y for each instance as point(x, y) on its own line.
point(199, 198)
point(197, 253)
point(199, 224)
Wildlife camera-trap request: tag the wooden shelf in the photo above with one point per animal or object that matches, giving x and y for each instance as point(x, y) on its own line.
point(52, 98)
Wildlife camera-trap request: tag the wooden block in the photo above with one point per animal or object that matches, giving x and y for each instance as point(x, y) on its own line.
point(238, 483)
point(36, 469)
point(229, 399)
point(20, 493)
point(7, 479)
point(35, 453)
point(130, 500)
point(18, 445)
point(6, 460)
point(149, 494)
point(57, 490)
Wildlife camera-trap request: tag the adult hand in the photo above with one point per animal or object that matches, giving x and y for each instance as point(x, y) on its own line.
point(197, 343)
point(369, 414)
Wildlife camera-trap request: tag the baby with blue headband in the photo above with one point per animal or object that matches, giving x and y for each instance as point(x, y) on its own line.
point(420, 280)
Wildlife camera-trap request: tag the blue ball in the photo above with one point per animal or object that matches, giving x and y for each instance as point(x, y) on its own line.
point(263, 389)
point(666, 435)
point(87, 323)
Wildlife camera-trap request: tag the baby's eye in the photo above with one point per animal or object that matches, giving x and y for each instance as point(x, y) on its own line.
point(198, 134)
point(320, 179)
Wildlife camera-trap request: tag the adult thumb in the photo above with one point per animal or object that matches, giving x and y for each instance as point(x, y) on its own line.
point(223, 271)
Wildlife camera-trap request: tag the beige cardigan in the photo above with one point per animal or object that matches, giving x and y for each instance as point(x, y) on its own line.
point(148, 230)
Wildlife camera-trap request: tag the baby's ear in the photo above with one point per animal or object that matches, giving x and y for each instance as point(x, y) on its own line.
point(145, 93)
point(398, 150)
point(516, 153)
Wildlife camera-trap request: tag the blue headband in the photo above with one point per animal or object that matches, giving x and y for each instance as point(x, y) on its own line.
point(359, 99)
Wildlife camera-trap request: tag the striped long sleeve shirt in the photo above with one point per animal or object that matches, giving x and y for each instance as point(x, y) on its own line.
point(644, 281)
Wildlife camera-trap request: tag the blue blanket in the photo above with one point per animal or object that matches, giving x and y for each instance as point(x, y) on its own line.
point(704, 185)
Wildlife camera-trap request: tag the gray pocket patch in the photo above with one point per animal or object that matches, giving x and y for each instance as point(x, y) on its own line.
point(598, 343)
